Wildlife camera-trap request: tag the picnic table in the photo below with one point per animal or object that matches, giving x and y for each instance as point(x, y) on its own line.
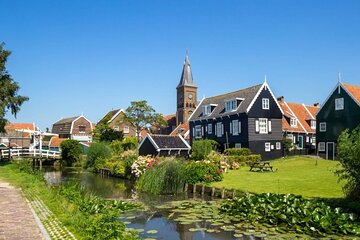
point(261, 166)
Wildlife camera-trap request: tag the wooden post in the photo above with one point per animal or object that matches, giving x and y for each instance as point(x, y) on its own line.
point(234, 194)
point(194, 188)
point(202, 190)
point(223, 193)
point(212, 191)
point(186, 187)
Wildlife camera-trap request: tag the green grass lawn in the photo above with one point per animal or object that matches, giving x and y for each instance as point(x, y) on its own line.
point(297, 175)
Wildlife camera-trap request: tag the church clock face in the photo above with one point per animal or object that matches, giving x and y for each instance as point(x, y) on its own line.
point(190, 96)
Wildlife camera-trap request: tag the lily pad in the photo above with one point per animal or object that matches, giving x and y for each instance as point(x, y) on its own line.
point(197, 229)
point(152, 231)
point(238, 235)
point(127, 223)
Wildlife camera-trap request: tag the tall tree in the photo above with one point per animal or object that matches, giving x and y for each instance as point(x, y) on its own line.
point(143, 116)
point(9, 98)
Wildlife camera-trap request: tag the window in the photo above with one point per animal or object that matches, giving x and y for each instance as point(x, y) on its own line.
point(237, 145)
point(267, 147)
point(293, 122)
point(230, 105)
point(126, 129)
point(116, 128)
point(321, 147)
point(219, 129)
point(278, 145)
point(206, 110)
point(197, 133)
point(323, 127)
point(235, 127)
point(82, 129)
point(307, 139)
point(265, 103)
point(263, 125)
point(209, 128)
point(313, 124)
point(339, 103)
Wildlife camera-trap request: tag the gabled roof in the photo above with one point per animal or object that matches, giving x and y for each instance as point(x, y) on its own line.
point(247, 97)
point(56, 141)
point(166, 142)
point(11, 128)
point(186, 76)
point(110, 116)
point(182, 129)
point(65, 125)
point(353, 90)
point(66, 120)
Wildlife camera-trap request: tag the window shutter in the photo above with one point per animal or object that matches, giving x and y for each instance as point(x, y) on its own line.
point(257, 126)
point(269, 123)
point(215, 130)
point(202, 131)
point(231, 128)
point(222, 128)
point(206, 128)
point(239, 127)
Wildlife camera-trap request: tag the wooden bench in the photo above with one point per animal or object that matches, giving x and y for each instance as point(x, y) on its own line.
point(260, 166)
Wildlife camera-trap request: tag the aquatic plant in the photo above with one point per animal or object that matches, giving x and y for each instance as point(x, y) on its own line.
point(202, 171)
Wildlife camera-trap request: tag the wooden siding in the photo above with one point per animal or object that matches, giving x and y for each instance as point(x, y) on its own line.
point(257, 112)
point(81, 122)
point(258, 147)
point(147, 148)
point(275, 134)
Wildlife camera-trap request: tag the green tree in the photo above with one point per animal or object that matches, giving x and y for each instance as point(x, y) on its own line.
point(143, 116)
point(348, 150)
point(70, 152)
point(108, 134)
point(202, 148)
point(97, 152)
point(9, 98)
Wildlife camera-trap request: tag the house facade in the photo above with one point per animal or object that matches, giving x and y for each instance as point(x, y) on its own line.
point(299, 125)
point(76, 128)
point(16, 137)
point(250, 118)
point(340, 111)
point(116, 119)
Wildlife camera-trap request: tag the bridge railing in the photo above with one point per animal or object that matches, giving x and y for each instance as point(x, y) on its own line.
point(30, 153)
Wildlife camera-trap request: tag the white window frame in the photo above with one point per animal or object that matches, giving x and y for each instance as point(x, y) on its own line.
point(237, 145)
point(313, 124)
point(230, 105)
point(267, 147)
point(206, 110)
point(339, 104)
point(235, 127)
point(321, 147)
point(322, 127)
point(219, 129)
point(197, 132)
point(84, 127)
point(126, 129)
point(278, 145)
point(293, 122)
point(263, 126)
point(265, 104)
point(209, 128)
point(116, 128)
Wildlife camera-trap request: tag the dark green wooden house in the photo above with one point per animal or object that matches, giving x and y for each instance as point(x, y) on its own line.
point(340, 111)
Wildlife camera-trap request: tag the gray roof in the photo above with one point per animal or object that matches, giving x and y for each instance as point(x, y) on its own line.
point(186, 76)
point(248, 94)
point(167, 141)
point(66, 120)
point(63, 126)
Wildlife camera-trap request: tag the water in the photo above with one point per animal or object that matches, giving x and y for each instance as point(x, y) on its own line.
point(151, 219)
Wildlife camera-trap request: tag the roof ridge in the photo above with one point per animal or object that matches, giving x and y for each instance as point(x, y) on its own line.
point(233, 92)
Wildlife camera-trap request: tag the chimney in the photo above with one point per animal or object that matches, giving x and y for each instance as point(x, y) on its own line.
point(281, 98)
point(316, 104)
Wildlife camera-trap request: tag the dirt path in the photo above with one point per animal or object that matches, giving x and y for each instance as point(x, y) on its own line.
point(16, 218)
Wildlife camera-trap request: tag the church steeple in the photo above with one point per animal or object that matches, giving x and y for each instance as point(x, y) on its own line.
point(186, 94)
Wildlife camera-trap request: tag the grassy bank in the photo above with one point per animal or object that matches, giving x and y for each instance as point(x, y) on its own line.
point(85, 215)
point(297, 175)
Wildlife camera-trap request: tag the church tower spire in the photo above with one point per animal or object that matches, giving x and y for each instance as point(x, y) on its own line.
point(186, 94)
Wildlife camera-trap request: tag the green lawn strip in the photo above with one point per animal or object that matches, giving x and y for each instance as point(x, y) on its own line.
point(296, 175)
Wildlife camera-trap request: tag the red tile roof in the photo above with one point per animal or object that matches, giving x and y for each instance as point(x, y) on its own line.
point(12, 127)
point(56, 141)
point(169, 117)
point(354, 90)
point(181, 129)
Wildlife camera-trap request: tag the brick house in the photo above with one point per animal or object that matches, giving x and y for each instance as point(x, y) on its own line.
point(116, 119)
point(15, 137)
point(77, 128)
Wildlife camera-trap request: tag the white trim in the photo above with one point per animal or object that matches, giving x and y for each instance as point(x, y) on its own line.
point(257, 95)
point(115, 115)
point(72, 123)
point(308, 112)
point(322, 129)
point(318, 147)
point(197, 108)
point(296, 117)
point(186, 133)
point(327, 150)
point(151, 140)
point(186, 143)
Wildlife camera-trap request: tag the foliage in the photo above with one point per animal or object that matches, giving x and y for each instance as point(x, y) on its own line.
point(214, 157)
point(117, 147)
point(104, 133)
point(129, 157)
point(9, 98)
point(241, 159)
point(70, 152)
point(348, 150)
point(165, 177)
point(141, 164)
point(202, 148)
point(98, 151)
point(237, 151)
point(142, 116)
point(297, 175)
point(290, 212)
point(202, 171)
point(130, 143)
point(287, 143)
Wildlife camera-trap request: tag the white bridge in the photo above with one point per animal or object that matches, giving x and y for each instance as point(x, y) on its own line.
point(30, 153)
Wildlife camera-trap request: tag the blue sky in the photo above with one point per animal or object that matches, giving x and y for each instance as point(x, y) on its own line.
point(72, 57)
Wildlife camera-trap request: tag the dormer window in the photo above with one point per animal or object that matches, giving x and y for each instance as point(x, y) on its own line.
point(313, 124)
point(206, 110)
point(265, 104)
point(230, 105)
point(293, 122)
point(82, 129)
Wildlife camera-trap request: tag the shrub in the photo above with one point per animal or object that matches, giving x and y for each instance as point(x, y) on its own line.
point(349, 154)
point(202, 148)
point(214, 157)
point(287, 143)
point(70, 152)
point(97, 150)
point(129, 157)
point(140, 164)
point(130, 143)
point(202, 171)
point(165, 177)
point(237, 151)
